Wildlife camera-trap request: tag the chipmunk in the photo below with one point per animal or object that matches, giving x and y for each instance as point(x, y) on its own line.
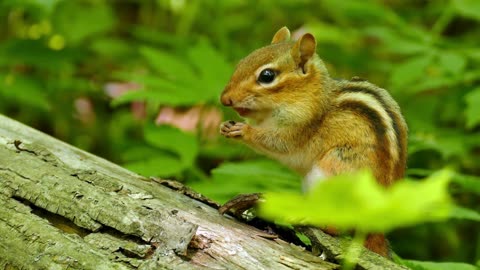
point(316, 125)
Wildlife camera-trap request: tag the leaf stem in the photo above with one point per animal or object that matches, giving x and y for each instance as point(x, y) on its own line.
point(354, 250)
point(443, 21)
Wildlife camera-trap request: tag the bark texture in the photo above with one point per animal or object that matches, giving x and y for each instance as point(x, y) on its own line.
point(63, 208)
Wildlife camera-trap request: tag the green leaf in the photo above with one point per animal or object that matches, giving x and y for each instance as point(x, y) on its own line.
point(357, 202)
point(35, 53)
point(331, 33)
point(230, 179)
point(26, 91)
point(172, 139)
point(212, 66)
point(467, 182)
point(473, 108)
point(171, 66)
point(111, 47)
point(273, 175)
point(410, 71)
point(395, 42)
point(419, 265)
point(468, 8)
point(453, 63)
point(464, 213)
point(165, 166)
point(140, 152)
point(180, 83)
point(165, 97)
point(78, 20)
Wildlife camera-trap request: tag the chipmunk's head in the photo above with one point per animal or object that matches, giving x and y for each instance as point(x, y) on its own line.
point(272, 81)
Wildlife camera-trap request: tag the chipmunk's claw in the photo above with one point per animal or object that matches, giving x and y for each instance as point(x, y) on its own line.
point(232, 129)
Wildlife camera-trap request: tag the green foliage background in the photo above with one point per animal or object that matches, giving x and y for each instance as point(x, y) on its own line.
point(57, 56)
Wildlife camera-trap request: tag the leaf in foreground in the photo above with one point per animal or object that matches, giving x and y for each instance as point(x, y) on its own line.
point(357, 201)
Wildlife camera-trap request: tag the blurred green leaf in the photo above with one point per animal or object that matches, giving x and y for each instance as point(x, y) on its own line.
point(453, 63)
point(464, 213)
point(359, 11)
point(472, 110)
point(395, 42)
point(214, 70)
point(449, 143)
point(140, 152)
point(251, 176)
point(36, 54)
point(38, 5)
point(25, 91)
point(111, 47)
point(78, 20)
point(419, 265)
point(171, 66)
point(330, 33)
point(164, 165)
point(410, 71)
point(468, 8)
point(161, 95)
point(467, 182)
point(364, 204)
point(266, 171)
point(178, 81)
point(172, 139)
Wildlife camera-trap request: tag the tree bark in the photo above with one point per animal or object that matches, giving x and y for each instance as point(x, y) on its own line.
point(63, 208)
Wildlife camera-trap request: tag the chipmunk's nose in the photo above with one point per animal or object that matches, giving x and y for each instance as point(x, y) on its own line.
point(226, 100)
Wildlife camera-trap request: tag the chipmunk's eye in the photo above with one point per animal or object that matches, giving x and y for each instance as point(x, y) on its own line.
point(266, 76)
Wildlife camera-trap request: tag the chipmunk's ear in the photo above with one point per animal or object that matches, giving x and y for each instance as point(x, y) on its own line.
point(282, 35)
point(303, 50)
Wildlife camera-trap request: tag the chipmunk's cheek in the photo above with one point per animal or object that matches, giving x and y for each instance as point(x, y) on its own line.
point(243, 111)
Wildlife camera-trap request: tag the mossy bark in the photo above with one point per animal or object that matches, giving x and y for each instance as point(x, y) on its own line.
point(63, 208)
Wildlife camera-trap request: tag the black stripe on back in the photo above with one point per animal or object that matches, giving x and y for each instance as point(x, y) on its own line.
point(372, 115)
point(374, 94)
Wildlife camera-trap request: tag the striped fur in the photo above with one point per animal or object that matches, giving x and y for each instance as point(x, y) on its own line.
point(378, 108)
point(395, 120)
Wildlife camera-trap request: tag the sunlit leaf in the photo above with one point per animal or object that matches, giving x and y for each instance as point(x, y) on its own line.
point(356, 201)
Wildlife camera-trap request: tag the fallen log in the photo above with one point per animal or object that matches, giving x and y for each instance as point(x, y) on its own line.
point(64, 208)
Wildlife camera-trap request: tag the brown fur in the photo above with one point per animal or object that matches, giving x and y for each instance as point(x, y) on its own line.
point(307, 120)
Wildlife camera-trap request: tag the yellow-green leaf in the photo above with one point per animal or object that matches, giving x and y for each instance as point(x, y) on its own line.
point(357, 201)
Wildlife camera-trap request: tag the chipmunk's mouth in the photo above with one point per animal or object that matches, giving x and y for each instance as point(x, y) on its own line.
point(242, 111)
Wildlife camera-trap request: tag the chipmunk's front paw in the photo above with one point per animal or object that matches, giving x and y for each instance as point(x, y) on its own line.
point(232, 129)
